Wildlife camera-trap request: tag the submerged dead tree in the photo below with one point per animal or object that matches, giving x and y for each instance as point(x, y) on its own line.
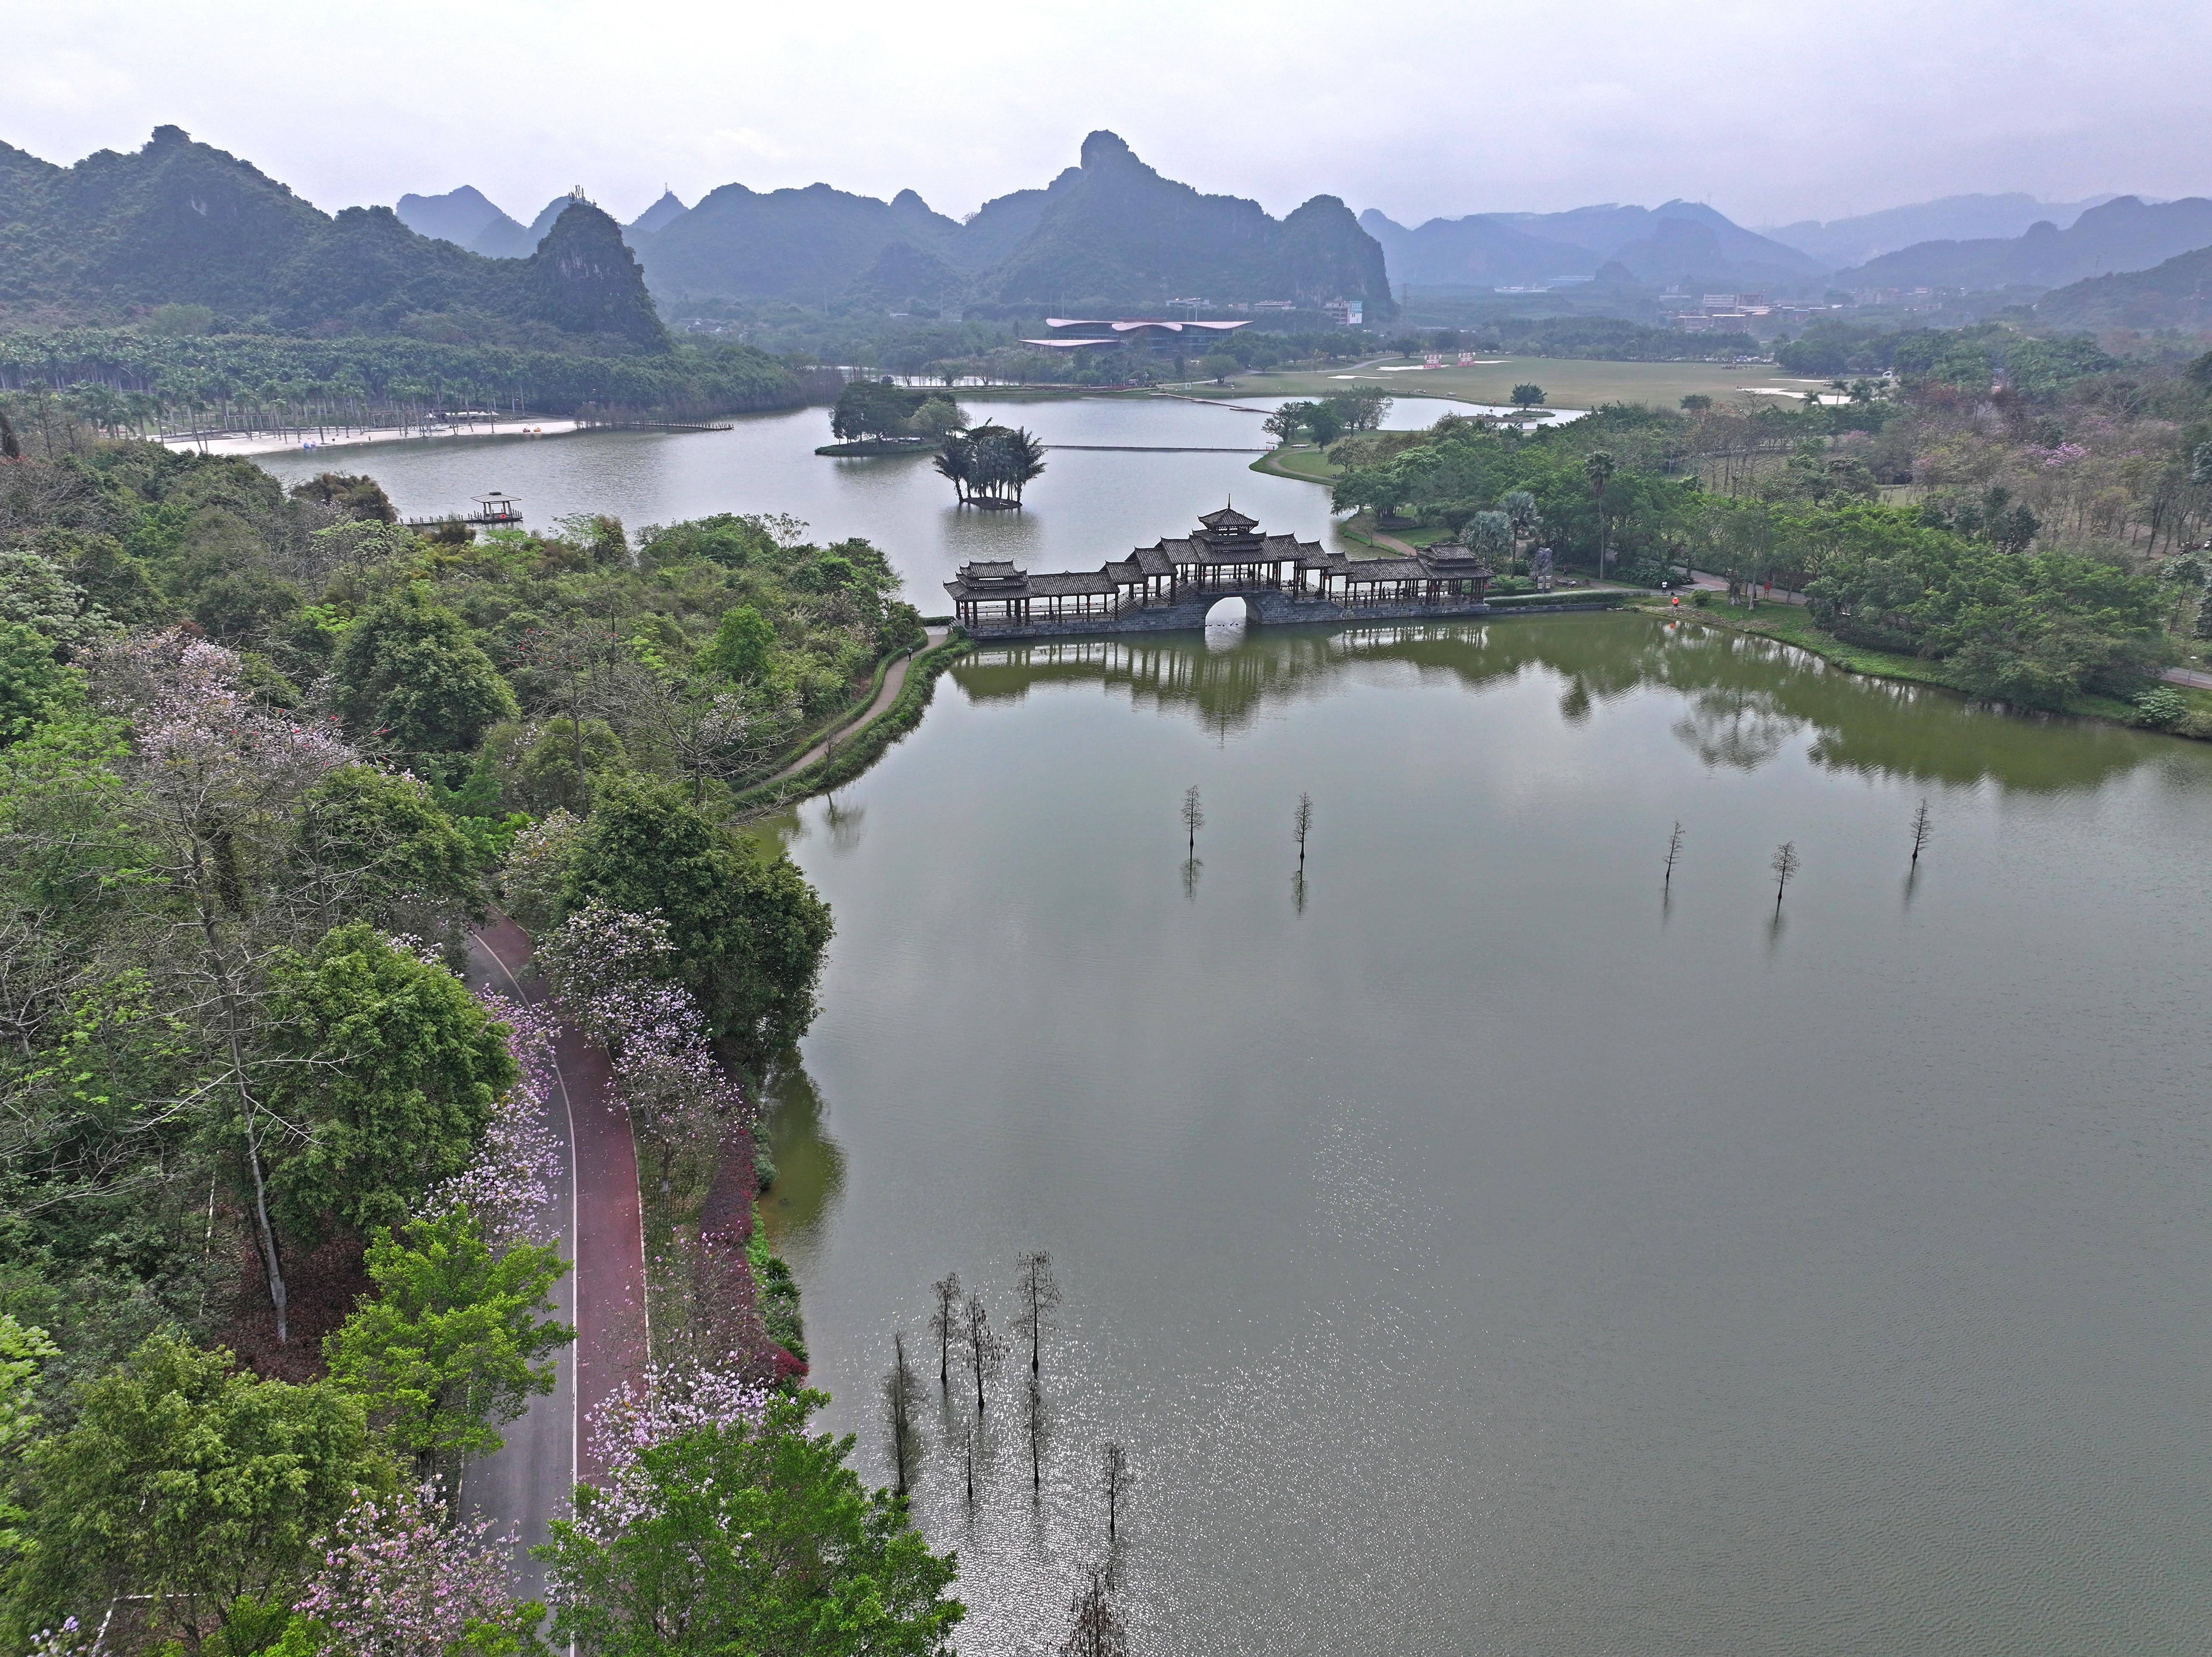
point(1924, 830)
point(1784, 863)
point(1098, 1629)
point(902, 1415)
point(981, 1349)
point(945, 1324)
point(1040, 1298)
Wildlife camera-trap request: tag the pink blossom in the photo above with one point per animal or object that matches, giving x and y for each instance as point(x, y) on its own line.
point(667, 1403)
point(510, 1183)
point(401, 1578)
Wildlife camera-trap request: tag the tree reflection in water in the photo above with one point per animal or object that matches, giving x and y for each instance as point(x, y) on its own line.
point(1746, 698)
point(810, 1165)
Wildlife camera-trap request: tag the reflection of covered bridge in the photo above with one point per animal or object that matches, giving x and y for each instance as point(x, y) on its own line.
point(1172, 584)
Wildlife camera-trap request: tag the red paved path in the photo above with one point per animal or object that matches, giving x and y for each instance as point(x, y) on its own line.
point(610, 1244)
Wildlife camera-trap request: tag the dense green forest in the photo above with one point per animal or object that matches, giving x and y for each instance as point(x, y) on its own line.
point(270, 1173)
point(123, 381)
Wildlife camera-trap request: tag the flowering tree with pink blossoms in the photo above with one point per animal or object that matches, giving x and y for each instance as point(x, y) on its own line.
point(216, 778)
point(605, 967)
point(509, 1185)
point(402, 1576)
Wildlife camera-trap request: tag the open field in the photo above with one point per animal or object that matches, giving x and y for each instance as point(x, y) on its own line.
point(1568, 382)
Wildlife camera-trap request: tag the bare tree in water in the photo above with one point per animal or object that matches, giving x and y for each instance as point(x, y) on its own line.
point(1036, 1424)
point(1114, 1483)
point(902, 1399)
point(1194, 816)
point(1924, 830)
point(1785, 865)
point(1302, 825)
point(1673, 851)
point(945, 1323)
point(1098, 1630)
point(1040, 1296)
point(980, 1348)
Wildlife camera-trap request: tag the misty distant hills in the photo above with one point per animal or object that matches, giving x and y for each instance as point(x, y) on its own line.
point(467, 219)
point(1678, 241)
point(180, 222)
point(1842, 242)
point(2176, 293)
point(2124, 233)
point(1109, 231)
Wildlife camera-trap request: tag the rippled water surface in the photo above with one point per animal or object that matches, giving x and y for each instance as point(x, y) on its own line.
point(1479, 1251)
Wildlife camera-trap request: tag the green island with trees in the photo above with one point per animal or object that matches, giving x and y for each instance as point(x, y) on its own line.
point(272, 1175)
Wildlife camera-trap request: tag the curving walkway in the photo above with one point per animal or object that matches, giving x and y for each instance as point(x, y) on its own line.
point(894, 682)
point(597, 1219)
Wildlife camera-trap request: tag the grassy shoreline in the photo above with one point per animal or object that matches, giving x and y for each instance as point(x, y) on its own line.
point(1790, 624)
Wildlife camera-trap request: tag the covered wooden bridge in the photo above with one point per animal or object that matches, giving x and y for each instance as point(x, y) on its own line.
point(1173, 582)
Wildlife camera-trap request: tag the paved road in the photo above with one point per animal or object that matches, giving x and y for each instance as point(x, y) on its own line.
point(594, 1215)
point(894, 682)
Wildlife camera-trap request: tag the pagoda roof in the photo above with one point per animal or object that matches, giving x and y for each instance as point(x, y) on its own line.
point(1228, 518)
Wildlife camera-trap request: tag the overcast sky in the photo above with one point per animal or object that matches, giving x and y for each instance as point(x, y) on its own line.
point(1422, 107)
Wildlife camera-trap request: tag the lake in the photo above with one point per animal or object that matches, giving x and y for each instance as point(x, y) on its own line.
point(1484, 1250)
point(1091, 504)
point(1480, 1249)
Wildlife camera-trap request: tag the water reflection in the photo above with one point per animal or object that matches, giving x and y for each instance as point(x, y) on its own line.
point(1746, 699)
point(810, 1164)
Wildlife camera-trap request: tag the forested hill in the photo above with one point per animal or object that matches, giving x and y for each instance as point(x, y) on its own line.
point(1109, 233)
point(178, 223)
point(2177, 293)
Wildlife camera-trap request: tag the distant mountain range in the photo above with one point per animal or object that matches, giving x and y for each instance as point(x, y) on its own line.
point(1680, 241)
point(180, 222)
point(2124, 233)
point(1110, 231)
point(1843, 242)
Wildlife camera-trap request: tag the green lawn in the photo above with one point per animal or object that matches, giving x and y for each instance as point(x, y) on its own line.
point(1568, 382)
point(1307, 464)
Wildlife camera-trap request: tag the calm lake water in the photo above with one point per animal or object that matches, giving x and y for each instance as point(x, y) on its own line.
point(1091, 504)
point(1480, 1253)
point(1491, 1254)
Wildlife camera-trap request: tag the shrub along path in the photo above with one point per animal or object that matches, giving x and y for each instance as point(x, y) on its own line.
point(527, 1484)
point(894, 682)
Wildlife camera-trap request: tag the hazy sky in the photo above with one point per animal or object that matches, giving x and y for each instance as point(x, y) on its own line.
point(1420, 108)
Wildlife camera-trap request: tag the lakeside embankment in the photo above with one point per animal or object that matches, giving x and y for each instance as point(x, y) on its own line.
point(295, 442)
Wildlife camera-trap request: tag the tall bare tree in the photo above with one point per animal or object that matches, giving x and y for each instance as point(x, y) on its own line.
point(1302, 825)
point(945, 1323)
point(902, 1402)
point(1114, 1485)
point(981, 1349)
point(1039, 1292)
point(1194, 816)
point(1924, 830)
point(1037, 1426)
point(1673, 851)
point(1098, 1629)
point(1785, 864)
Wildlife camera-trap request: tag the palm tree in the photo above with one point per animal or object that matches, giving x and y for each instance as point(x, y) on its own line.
point(1001, 461)
point(1598, 467)
point(957, 462)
